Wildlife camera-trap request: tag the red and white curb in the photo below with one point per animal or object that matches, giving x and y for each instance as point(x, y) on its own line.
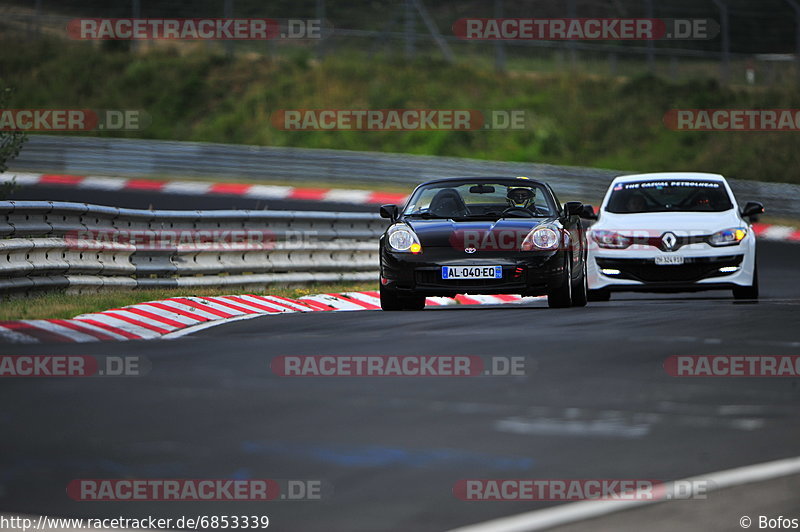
point(204, 188)
point(173, 317)
point(777, 232)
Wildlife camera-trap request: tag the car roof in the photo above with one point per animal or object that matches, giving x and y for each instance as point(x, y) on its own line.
point(669, 175)
point(477, 179)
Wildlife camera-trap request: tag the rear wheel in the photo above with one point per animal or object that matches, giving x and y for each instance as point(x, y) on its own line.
point(580, 290)
point(602, 294)
point(561, 297)
point(747, 292)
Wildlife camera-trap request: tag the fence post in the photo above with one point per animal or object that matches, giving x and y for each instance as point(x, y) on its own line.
point(320, 12)
point(726, 38)
point(651, 58)
point(499, 45)
point(409, 30)
point(796, 8)
point(571, 13)
point(136, 12)
point(228, 13)
point(38, 17)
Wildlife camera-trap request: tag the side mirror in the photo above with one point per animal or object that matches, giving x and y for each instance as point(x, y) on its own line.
point(588, 213)
point(572, 208)
point(752, 208)
point(389, 211)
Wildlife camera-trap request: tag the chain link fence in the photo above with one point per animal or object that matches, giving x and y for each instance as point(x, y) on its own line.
point(757, 44)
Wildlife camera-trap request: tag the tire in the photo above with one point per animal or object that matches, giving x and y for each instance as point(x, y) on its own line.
point(602, 294)
point(580, 290)
point(391, 301)
point(413, 303)
point(747, 292)
point(561, 297)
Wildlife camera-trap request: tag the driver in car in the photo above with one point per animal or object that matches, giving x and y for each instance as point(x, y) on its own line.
point(521, 198)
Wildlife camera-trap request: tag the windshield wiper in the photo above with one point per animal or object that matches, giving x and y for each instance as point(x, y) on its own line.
point(425, 215)
point(492, 214)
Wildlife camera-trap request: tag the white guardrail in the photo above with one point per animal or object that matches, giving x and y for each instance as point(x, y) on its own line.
point(47, 245)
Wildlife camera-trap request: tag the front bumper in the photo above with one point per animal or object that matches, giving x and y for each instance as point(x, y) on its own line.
point(524, 273)
point(705, 268)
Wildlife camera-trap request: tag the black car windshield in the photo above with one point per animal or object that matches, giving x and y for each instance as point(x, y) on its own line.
point(668, 196)
point(481, 200)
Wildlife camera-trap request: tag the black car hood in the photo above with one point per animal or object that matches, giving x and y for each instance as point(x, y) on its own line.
point(449, 233)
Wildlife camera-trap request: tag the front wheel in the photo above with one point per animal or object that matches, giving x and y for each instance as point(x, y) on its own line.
point(391, 301)
point(561, 297)
point(580, 290)
point(602, 294)
point(747, 292)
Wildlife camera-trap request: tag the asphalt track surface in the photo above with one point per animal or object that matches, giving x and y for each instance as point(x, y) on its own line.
point(132, 199)
point(595, 403)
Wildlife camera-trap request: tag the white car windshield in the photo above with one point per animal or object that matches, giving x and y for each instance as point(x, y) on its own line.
point(669, 196)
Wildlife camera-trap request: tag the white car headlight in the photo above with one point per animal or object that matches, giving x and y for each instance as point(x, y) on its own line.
point(611, 239)
point(728, 237)
point(542, 238)
point(402, 238)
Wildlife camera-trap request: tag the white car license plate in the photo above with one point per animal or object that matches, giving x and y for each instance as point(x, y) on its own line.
point(669, 260)
point(472, 272)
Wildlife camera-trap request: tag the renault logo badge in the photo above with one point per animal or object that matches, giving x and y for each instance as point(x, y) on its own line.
point(669, 240)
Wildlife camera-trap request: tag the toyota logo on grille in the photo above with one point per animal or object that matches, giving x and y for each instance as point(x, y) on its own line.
point(669, 240)
point(470, 250)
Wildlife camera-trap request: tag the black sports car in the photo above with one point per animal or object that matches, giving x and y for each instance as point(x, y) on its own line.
point(483, 235)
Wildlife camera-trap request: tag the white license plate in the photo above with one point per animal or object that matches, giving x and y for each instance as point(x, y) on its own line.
point(472, 272)
point(669, 260)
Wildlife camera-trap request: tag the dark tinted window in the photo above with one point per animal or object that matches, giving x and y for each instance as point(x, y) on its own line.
point(669, 195)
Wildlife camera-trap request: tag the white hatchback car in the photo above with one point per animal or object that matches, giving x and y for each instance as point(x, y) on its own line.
point(672, 232)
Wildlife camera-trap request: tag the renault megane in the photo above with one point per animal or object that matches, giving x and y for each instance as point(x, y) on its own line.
point(673, 232)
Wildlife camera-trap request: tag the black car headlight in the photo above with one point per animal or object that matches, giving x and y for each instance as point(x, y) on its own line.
point(542, 238)
point(402, 239)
